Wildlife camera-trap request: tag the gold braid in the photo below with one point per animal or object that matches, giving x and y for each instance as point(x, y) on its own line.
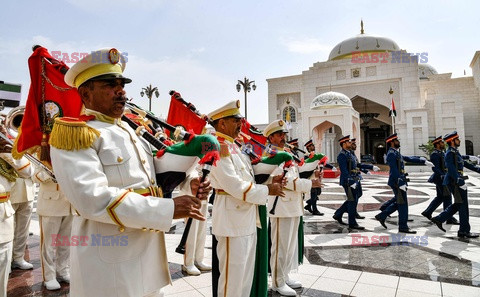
point(7, 171)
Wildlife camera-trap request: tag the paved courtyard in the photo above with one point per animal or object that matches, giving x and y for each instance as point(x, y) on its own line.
point(376, 262)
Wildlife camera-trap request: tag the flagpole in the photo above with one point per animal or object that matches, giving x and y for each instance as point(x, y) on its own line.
point(392, 110)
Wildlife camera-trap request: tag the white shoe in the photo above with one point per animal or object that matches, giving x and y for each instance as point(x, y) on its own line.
point(191, 270)
point(294, 284)
point(285, 290)
point(64, 278)
point(52, 285)
point(22, 264)
point(203, 267)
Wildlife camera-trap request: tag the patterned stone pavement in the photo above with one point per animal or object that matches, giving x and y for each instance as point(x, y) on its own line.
point(376, 262)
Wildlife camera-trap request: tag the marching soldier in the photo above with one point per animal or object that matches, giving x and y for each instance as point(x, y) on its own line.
point(55, 215)
point(10, 170)
point(108, 175)
point(397, 180)
point(350, 182)
point(455, 180)
point(314, 192)
point(361, 168)
point(439, 170)
point(285, 222)
point(234, 215)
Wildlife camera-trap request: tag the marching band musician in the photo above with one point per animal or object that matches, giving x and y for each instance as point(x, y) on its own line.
point(21, 197)
point(286, 220)
point(10, 170)
point(107, 172)
point(55, 215)
point(235, 214)
point(314, 192)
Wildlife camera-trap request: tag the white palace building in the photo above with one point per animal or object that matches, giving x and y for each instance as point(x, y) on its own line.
point(350, 94)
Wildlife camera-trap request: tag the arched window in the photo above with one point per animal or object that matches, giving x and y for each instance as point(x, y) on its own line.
point(293, 114)
point(469, 147)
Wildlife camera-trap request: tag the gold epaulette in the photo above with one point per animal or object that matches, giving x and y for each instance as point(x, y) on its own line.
point(224, 151)
point(72, 134)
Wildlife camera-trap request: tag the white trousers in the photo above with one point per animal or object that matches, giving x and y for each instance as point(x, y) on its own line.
point(195, 245)
point(236, 261)
point(5, 260)
point(155, 294)
point(23, 214)
point(284, 251)
point(59, 264)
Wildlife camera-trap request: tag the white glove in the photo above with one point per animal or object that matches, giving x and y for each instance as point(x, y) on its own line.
point(428, 163)
point(376, 168)
point(423, 159)
point(464, 187)
point(474, 159)
point(334, 168)
point(403, 188)
point(369, 173)
point(354, 186)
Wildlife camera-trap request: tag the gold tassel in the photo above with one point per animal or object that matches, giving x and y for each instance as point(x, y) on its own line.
point(72, 134)
point(44, 148)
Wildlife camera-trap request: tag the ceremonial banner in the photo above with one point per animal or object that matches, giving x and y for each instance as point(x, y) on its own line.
point(49, 97)
point(181, 115)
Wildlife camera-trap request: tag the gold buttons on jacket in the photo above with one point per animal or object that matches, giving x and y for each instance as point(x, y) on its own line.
point(119, 159)
point(134, 141)
point(143, 161)
point(157, 231)
point(144, 229)
point(151, 230)
point(121, 229)
point(152, 181)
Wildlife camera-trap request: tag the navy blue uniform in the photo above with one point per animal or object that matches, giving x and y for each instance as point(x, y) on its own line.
point(454, 179)
point(348, 177)
point(443, 193)
point(397, 179)
point(362, 168)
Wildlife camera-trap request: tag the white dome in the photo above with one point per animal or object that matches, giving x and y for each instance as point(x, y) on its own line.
point(330, 100)
point(425, 71)
point(362, 43)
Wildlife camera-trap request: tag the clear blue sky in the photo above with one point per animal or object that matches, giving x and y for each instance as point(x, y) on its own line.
point(201, 48)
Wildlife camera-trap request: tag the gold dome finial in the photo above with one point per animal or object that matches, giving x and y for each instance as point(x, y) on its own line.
point(361, 27)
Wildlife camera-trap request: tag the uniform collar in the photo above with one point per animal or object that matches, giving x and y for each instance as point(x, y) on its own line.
point(101, 117)
point(280, 149)
point(222, 136)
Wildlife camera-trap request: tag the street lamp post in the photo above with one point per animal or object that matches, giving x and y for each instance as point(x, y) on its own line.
point(247, 85)
point(149, 91)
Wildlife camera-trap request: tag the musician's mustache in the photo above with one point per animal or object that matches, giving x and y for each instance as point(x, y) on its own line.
point(120, 100)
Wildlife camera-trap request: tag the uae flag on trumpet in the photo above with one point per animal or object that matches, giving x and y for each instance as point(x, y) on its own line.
point(173, 163)
point(311, 163)
point(269, 165)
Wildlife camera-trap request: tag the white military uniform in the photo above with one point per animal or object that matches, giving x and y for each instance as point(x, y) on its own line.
point(99, 182)
point(284, 226)
point(285, 221)
point(195, 244)
point(55, 218)
point(21, 197)
point(235, 217)
point(6, 218)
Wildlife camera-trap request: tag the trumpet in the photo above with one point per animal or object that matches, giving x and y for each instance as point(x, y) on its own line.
point(13, 120)
point(31, 158)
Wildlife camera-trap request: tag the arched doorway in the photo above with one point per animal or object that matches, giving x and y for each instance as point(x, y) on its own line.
point(325, 138)
point(375, 127)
